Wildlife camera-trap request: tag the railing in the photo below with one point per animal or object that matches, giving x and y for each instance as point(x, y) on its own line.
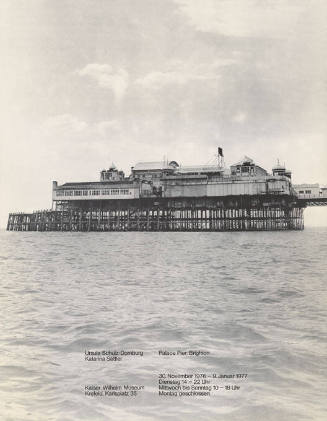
point(313, 199)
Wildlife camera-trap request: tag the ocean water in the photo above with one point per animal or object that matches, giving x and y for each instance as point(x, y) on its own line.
point(255, 302)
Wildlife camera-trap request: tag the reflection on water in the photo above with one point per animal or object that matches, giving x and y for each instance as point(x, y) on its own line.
point(255, 301)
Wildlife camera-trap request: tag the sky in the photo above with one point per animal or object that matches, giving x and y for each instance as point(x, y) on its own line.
point(85, 83)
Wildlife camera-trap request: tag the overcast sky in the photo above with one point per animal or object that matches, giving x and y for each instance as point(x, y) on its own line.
point(88, 82)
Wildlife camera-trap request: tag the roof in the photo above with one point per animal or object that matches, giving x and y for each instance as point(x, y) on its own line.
point(147, 166)
point(279, 167)
point(200, 168)
point(96, 183)
point(111, 168)
point(243, 160)
point(305, 185)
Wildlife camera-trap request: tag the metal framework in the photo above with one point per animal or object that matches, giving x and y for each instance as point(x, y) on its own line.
point(241, 213)
point(317, 201)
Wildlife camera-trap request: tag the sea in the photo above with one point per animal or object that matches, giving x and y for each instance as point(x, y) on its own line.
point(140, 326)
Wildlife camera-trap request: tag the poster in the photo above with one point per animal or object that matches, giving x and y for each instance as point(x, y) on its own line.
point(158, 326)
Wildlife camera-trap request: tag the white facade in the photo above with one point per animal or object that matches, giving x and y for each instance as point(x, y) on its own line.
point(308, 191)
point(230, 187)
point(237, 188)
point(95, 193)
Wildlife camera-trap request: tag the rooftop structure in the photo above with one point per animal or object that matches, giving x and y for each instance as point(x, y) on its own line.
point(112, 174)
point(247, 168)
point(281, 170)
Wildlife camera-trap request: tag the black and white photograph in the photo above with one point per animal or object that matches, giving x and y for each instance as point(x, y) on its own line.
point(163, 210)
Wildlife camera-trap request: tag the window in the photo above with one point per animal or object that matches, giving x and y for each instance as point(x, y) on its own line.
point(69, 192)
point(77, 193)
point(308, 192)
point(60, 193)
point(95, 192)
point(85, 192)
point(301, 191)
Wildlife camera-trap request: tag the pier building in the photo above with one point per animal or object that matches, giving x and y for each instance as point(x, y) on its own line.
point(167, 196)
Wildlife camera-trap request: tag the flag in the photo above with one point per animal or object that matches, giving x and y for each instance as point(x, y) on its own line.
point(220, 152)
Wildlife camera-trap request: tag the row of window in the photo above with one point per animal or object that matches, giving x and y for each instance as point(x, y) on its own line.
point(304, 191)
point(105, 192)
